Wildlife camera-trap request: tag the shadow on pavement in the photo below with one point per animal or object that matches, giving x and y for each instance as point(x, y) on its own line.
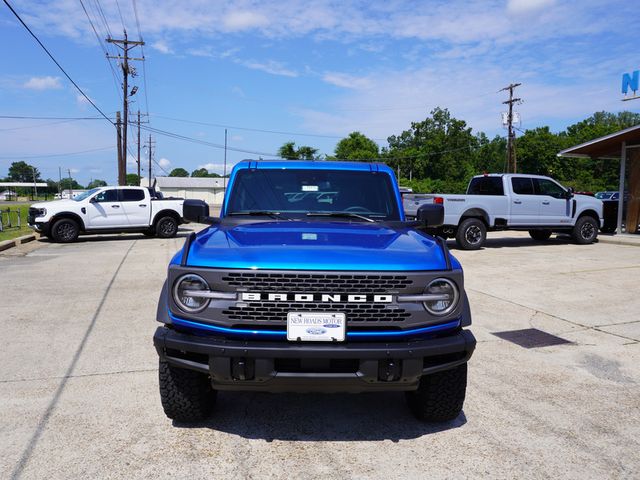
point(325, 417)
point(519, 242)
point(182, 233)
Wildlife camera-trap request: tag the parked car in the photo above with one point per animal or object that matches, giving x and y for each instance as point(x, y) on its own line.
point(290, 292)
point(107, 210)
point(533, 203)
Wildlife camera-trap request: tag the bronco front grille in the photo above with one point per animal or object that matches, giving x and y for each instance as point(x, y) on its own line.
point(317, 282)
point(278, 311)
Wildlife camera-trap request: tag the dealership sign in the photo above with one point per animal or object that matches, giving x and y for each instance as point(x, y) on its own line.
point(630, 85)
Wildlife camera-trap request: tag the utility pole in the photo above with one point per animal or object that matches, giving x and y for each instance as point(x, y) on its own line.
point(125, 45)
point(122, 170)
point(224, 169)
point(138, 147)
point(60, 181)
point(70, 184)
point(512, 165)
point(150, 146)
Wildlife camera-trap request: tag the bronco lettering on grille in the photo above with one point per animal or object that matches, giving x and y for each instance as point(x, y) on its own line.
point(315, 297)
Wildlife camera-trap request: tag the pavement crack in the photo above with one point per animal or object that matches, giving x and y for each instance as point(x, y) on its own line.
point(96, 374)
point(33, 441)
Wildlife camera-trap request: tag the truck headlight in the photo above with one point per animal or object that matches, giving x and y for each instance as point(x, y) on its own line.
point(186, 293)
point(41, 212)
point(441, 296)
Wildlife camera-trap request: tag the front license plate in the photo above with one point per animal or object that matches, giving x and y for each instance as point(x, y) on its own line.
point(316, 327)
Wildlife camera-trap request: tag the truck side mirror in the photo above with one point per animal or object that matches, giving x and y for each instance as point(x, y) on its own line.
point(197, 211)
point(431, 215)
point(570, 191)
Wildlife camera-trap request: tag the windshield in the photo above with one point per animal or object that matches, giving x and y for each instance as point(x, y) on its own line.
point(86, 194)
point(298, 192)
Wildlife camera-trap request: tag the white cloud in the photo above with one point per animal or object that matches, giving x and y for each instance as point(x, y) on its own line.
point(236, 138)
point(527, 6)
point(43, 83)
point(164, 163)
point(243, 20)
point(161, 46)
point(74, 170)
point(216, 167)
point(270, 66)
point(345, 80)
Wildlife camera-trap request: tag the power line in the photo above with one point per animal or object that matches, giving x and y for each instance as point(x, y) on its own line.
point(13, 157)
point(102, 45)
point(24, 117)
point(277, 132)
point(124, 27)
point(39, 125)
point(55, 61)
point(144, 68)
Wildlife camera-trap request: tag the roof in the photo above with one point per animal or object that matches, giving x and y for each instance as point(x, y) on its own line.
point(312, 165)
point(608, 146)
point(22, 184)
point(189, 182)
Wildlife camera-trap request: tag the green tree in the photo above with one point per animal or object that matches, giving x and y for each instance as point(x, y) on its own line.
point(357, 147)
point(440, 148)
point(290, 152)
point(133, 179)
point(179, 172)
point(23, 172)
point(70, 183)
point(200, 172)
point(99, 183)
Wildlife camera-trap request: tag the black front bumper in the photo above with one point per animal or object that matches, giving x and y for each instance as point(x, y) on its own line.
point(306, 367)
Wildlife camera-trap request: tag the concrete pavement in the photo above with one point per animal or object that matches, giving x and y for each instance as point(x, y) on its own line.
point(78, 384)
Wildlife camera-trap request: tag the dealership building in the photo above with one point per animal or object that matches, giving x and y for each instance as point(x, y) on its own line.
point(210, 190)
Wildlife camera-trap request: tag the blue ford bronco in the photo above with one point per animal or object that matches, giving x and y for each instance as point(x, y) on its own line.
point(311, 280)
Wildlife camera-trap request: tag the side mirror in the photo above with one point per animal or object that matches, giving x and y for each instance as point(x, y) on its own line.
point(197, 211)
point(431, 215)
point(570, 191)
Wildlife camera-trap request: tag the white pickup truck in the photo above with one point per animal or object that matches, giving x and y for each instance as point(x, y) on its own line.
point(533, 203)
point(107, 210)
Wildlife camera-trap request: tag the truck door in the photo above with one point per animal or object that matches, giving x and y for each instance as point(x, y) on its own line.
point(136, 206)
point(525, 204)
point(555, 209)
point(105, 211)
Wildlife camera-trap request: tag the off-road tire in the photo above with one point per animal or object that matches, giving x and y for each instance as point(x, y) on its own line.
point(440, 396)
point(540, 235)
point(166, 227)
point(65, 230)
point(471, 234)
point(186, 395)
point(585, 230)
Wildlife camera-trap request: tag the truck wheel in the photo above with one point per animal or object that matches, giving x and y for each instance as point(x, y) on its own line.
point(186, 395)
point(166, 227)
point(65, 230)
point(440, 396)
point(471, 234)
point(585, 230)
point(540, 235)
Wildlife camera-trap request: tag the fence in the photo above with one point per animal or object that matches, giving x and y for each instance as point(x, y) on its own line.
point(7, 214)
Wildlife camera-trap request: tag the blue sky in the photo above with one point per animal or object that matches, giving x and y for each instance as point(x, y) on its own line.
point(319, 68)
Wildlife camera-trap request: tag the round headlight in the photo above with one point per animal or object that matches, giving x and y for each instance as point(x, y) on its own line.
point(185, 293)
point(444, 296)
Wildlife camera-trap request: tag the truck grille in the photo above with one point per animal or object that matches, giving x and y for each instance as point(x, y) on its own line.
point(277, 312)
point(320, 282)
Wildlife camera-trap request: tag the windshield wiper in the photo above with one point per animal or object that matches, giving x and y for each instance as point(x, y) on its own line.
point(340, 215)
point(259, 213)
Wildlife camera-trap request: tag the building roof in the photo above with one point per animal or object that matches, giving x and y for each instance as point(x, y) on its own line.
point(22, 184)
point(189, 182)
point(609, 146)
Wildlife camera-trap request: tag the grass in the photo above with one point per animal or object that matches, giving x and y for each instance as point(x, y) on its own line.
point(12, 232)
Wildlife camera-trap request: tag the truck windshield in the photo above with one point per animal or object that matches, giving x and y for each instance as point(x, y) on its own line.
point(86, 194)
point(298, 192)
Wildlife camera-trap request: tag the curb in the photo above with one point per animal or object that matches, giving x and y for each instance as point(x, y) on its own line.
point(7, 244)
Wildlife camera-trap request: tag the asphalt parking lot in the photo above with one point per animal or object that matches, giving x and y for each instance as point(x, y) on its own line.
point(79, 399)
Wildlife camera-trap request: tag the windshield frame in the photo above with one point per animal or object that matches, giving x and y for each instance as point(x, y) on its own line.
point(386, 209)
